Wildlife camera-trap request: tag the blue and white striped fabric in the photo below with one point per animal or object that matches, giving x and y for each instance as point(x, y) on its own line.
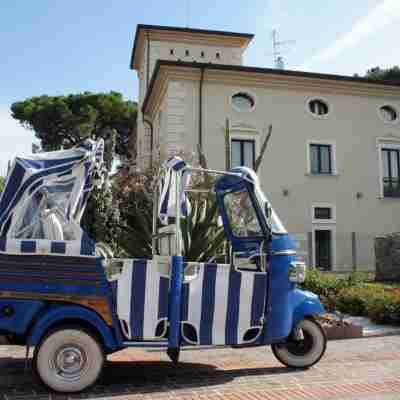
point(222, 304)
point(142, 299)
point(85, 247)
point(29, 174)
point(167, 204)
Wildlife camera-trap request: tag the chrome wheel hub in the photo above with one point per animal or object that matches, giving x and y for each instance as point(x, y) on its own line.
point(70, 362)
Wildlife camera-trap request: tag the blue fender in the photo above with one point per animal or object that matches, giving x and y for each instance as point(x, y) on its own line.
point(21, 315)
point(305, 304)
point(59, 314)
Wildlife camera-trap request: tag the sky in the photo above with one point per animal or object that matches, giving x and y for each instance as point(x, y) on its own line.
point(58, 47)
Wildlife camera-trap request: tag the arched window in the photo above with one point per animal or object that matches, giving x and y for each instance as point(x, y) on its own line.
point(388, 113)
point(242, 101)
point(318, 107)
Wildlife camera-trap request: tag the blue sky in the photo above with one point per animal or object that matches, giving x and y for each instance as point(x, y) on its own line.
point(58, 47)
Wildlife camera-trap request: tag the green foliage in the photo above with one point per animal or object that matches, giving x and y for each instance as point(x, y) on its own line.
point(327, 286)
point(134, 194)
point(379, 304)
point(202, 237)
point(67, 120)
point(389, 74)
point(2, 183)
point(101, 219)
point(352, 301)
point(355, 295)
point(384, 307)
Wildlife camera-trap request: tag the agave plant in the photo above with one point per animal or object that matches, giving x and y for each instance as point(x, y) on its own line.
point(203, 237)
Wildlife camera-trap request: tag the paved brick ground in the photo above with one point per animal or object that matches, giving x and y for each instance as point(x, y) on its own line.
point(351, 369)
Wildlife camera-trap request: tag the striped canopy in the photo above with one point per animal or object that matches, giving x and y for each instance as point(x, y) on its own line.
point(40, 183)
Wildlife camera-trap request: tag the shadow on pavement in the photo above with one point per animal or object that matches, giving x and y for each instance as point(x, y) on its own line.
point(139, 377)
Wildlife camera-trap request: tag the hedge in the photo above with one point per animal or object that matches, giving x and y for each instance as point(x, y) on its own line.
point(356, 296)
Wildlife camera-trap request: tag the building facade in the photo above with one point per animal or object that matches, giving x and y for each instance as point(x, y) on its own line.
point(332, 165)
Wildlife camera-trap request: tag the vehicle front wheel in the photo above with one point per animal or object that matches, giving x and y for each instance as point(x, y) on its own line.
point(69, 359)
point(305, 352)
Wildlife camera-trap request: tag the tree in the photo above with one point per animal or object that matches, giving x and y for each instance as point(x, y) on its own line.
point(2, 183)
point(65, 121)
point(388, 74)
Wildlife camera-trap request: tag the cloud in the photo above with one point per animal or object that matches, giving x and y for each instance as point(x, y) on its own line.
point(384, 14)
point(14, 139)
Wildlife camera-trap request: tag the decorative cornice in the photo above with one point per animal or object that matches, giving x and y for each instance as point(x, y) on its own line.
point(185, 35)
point(265, 77)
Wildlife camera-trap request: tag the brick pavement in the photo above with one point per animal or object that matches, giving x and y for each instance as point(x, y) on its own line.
point(351, 369)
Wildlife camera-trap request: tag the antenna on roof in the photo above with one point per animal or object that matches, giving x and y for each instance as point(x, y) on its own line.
point(278, 60)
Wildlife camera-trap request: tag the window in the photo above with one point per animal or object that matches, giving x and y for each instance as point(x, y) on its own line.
point(391, 168)
point(318, 107)
point(44, 213)
point(242, 153)
point(322, 213)
point(388, 114)
point(242, 215)
point(321, 159)
point(242, 101)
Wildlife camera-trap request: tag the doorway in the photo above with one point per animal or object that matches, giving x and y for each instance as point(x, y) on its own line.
point(323, 249)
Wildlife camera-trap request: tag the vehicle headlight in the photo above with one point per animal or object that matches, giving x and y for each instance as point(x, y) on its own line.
point(297, 272)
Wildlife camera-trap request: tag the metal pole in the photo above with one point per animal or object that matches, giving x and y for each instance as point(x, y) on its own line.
point(178, 241)
point(354, 250)
point(154, 239)
point(227, 145)
point(175, 294)
point(310, 249)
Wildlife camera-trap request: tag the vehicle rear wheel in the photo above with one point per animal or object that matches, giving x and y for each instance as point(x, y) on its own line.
point(69, 359)
point(305, 352)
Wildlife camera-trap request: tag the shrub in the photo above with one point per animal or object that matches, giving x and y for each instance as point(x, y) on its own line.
point(354, 300)
point(384, 307)
point(354, 295)
point(328, 286)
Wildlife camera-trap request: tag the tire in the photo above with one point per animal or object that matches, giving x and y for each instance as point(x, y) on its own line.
point(69, 359)
point(303, 353)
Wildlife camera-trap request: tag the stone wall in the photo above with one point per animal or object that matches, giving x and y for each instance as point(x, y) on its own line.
point(387, 256)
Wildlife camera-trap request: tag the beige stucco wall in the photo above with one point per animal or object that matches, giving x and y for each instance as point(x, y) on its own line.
point(353, 125)
point(160, 50)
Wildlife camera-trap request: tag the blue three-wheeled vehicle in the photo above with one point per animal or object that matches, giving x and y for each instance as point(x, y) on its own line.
point(57, 295)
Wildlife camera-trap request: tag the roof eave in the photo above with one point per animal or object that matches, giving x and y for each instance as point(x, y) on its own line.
point(143, 27)
point(269, 71)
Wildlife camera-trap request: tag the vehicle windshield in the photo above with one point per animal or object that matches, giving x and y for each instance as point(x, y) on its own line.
point(241, 214)
point(273, 220)
point(43, 214)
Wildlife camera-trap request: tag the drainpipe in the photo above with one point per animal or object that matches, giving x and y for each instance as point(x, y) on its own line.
point(144, 120)
point(200, 138)
point(150, 124)
point(148, 61)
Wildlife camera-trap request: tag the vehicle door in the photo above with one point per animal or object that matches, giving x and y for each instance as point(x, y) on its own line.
point(224, 304)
